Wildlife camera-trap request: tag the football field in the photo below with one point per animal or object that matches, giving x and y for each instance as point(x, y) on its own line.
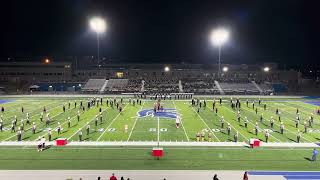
point(139, 123)
point(145, 126)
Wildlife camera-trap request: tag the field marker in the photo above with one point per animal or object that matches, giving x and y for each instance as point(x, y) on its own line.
point(135, 122)
point(181, 123)
point(110, 123)
point(206, 124)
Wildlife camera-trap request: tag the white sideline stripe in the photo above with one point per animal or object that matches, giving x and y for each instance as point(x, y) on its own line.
point(288, 129)
point(36, 124)
point(205, 124)
point(254, 124)
point(110, 124)
point(233, 127)
point(135, 122)
point(181, 122)
point(143, 144)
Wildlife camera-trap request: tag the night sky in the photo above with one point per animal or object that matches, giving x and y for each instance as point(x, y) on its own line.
point(284, 31)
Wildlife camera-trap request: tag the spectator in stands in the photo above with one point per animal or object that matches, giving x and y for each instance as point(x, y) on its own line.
point(245, 176)
point(215, 177)
point(113, 177)
point(122, 178)
point(99, 178)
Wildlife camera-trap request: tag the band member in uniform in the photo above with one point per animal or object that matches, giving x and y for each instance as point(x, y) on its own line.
point(19, 135)
point(305, 127)
point(281, 127)
point(245, 122)
point(298, 136)
point(41, 117)
point(266, 135)
point(271, 122)
point(256, 129)
point(238, 116)
point(34, 127)
point(100, 116)
point(198, 136)
point(228, 129)
point(48, 120)
point(209, 136)
point(49, 134)
point(22, 124)
point(69, 122)
point(203, 134)
point(96, 122)
point(64, 108)
point(78, 116)
point(297, 122)
point(222, 122)
point(59, 128)
point(261, 118)
point(13, 127)
point(235, 137)
point(88, 128)
point(1, 123)
point(265, 106)
point(177, 122)
point(80, 134)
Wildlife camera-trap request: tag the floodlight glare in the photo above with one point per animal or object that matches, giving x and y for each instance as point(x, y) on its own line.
point(225, 69)
point(266, 69)
point(166, 69)
point(219, 36)
point(98, 24)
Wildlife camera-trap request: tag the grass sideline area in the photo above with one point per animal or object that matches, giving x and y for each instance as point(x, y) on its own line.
point(184, 158)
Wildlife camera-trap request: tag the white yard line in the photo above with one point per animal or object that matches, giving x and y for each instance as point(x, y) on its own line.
point(109, 124)
point(181, 122)
point(206, 124)
point(158, 130)
point(134, 124)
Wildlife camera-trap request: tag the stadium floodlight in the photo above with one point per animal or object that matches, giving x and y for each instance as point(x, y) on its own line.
point(219, 37)
point(98, 25)
point(47, 61)
point(225, 69)
point(266, 69)
point(166, 69)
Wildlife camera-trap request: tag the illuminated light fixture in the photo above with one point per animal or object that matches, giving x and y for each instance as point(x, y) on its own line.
point(225, 69)
point(266, 69)
point(166, 69)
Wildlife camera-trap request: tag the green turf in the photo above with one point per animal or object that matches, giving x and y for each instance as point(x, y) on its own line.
point(146, 128)
point(140, 158)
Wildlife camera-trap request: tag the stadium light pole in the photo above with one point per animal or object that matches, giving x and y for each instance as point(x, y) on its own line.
point(98, 25)
point(219, 37)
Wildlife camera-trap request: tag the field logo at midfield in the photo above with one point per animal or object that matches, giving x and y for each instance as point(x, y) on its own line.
point(165, 113)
